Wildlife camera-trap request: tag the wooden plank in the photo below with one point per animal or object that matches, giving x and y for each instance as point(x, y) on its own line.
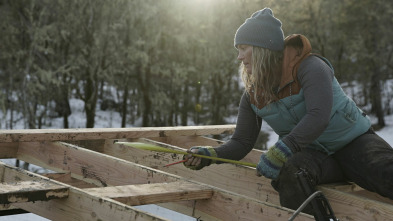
point(67, 179)
point(349, 205)
point(221, 204)
point(232, 206)
point(31, 191)
point(239, 179)
point(8, 150)
point(4, 208)
point(89, 166)
point(354, 189)
point(154, 193)
point(113, 171)
point(96, 145)
point(30, 135)
point(79, 205)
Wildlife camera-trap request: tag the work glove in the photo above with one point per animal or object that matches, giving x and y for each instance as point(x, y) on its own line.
point(271, 162)
point(197, 163)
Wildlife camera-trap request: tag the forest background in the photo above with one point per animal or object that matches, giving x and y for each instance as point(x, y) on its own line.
point(172, 62)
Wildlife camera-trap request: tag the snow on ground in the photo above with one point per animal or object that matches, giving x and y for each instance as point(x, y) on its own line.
point(109, 119)
point(23, 217)
point(387, 132)
point(153, 209)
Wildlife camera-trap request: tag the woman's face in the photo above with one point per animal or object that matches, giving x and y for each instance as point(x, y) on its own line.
point(245, 54)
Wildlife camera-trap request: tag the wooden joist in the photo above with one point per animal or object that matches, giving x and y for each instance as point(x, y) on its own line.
point(104, 170)
point(238, 179)
point(353, 201)
point(67, 179)
point(243, 180)
point(30, 191)
point(142, 194)
point(8, 150)
point(79, 205)
point(109, 133)
point(89, 166)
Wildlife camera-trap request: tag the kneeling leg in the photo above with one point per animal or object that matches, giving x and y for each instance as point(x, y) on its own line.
point(321, 169)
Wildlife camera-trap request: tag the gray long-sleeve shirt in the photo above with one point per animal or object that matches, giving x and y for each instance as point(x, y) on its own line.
point(315, 77)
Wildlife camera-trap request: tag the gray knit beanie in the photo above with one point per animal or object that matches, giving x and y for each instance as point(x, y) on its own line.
point(262, 29)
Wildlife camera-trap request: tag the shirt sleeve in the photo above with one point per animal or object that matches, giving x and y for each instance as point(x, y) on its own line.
point(315, 77)
point(246, 133)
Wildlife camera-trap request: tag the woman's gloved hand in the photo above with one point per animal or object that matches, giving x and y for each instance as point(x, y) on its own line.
point(271, 162)
point(197, 163)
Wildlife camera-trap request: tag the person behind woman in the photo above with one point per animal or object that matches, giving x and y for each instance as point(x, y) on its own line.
point(321, 130)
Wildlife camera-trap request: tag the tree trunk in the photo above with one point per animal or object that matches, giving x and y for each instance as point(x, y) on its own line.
point(65, 122)
point(63, 107)
point(145, 88)
point(216, 100)
point(375, 90)
point(67, 111)
point(184, 110)
point(124, 106)
point(376, 99)
point(198, 106)
point(91, 101)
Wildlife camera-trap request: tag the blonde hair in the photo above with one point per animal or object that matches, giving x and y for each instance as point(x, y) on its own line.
point(265, 78)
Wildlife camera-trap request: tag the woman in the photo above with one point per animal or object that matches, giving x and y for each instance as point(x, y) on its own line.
point(321, 130)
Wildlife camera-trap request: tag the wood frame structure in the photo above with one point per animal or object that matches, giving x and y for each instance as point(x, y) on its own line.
point(95, 179)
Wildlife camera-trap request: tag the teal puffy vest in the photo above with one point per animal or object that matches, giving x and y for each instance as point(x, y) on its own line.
point(347, 121)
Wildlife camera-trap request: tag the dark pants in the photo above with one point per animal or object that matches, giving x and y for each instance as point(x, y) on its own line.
point(366, 161)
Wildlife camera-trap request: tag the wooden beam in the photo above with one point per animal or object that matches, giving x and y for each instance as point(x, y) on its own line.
point(79, 205)
point(96, 145)
point(232, 206)
point(350, 205)
point(109, 133)
point(110, 171)
point(238, 179)
point(30, 191)
point(134, 195)
point(61, 177)
point(67, 179)
point(8, 150)
point(89, 166)
point(352, 188)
